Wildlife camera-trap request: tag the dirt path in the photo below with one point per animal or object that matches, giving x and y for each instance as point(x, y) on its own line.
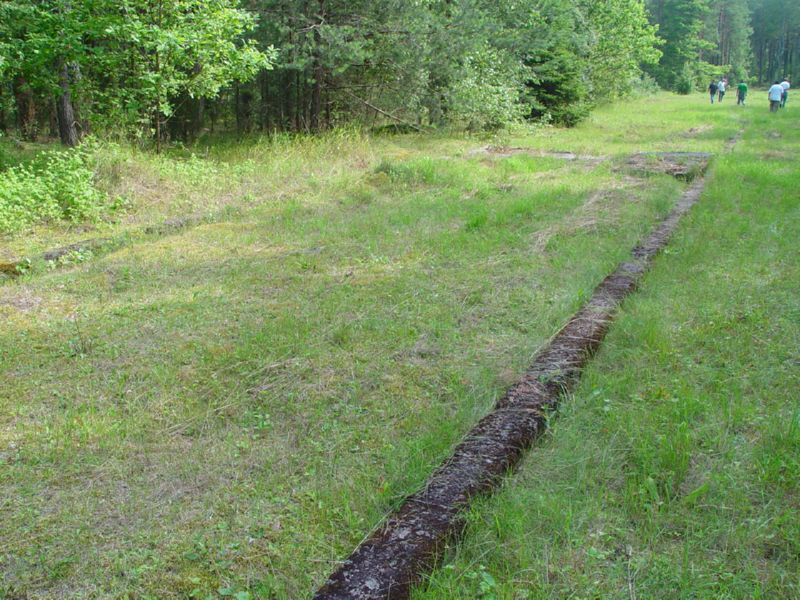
point(402, 549)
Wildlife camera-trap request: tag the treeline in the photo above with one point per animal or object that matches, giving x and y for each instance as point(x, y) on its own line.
point(753, 40)
point(776, 40)
point(161, 69)
point(476, 63)
point(172, 69)
point(118, 65)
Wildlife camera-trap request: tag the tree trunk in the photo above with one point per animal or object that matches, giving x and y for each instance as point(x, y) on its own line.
point(195, 110)
point(316, 96)
point(186, 122)
point(197, 113)
point(327, 110)
point(64, 110)
point(786, 53)
point(287, 108)
point(52, 118)
point(319, 72)
point(264, 116)
point(298, 103)
point(237, 109)
point(26, 109)
point(3, 123)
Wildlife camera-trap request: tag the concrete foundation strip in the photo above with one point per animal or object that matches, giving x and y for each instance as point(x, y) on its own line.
point(397, 554)
point(15, 268)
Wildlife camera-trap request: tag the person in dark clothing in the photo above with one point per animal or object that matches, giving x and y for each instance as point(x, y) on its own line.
point(712, 89)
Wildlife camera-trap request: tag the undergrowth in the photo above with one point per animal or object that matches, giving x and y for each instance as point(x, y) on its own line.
point(57, 184)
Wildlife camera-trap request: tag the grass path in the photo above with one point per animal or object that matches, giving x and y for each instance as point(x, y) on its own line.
point(231, 408)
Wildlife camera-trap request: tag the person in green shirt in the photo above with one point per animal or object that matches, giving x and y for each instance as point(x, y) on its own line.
point(741, 93)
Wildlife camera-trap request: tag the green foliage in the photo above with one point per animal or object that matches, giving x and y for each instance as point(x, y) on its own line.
point(14, 152)
point(187, 48)
point(556, 51)
point(685, 84)
point(644, 85)
point(57, 185)
point(728, 26)
point(159, 69)
point(129, 60)
point(709, 39)
point(776, 39)
point(623, 41)
point(136, 66)
point(487, 94)
point(680, 26)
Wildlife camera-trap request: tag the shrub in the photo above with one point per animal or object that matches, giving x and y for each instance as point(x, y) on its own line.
point(56, 185)
point(644, 85)
point(685, 83)
point(684, 86)
point(485, 96)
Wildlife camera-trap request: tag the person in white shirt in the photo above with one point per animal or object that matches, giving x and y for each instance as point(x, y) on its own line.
point(721, 89)
point(785, 85)
point(775, 96)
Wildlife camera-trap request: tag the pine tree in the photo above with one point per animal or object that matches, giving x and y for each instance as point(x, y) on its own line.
point(680, 26)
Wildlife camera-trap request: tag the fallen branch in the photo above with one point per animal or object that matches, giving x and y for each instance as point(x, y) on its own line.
point(383, 112)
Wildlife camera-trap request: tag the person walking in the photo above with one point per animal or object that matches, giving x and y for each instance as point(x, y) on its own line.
point(775, 96)
point(721, 88)
point(741, 93)
point(785, 85)
point(712, 88)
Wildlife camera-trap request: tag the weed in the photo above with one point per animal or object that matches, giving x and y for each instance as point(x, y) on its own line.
point(73, 257)
point(79, 345)
point(23, 266)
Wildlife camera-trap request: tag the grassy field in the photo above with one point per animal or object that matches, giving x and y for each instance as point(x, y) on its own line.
point(231, 408)
point(674, 470)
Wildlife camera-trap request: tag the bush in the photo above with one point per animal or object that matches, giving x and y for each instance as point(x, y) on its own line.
point(485, 96)
point(684, 85)
point(56, 185)
point(644, 85)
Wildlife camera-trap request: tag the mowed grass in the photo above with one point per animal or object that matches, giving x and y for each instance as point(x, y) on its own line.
point(230, 409)
point(674, 469)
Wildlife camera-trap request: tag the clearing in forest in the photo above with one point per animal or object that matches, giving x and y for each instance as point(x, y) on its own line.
point(232, 406)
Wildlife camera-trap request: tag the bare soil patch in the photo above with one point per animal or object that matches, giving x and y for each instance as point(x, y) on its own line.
point(695, 131)
point(174, 225)
point(682, 165)
point(23, 301)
